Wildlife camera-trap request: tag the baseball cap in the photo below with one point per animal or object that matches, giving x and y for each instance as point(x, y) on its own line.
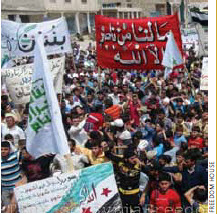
point(142, 144)
point(11, 115)
point(118, 123)
point(125, 135)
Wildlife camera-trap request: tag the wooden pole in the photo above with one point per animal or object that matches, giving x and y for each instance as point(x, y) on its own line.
point(189, 78)
point(192, 85)
point(100, 78)
point(69, 162)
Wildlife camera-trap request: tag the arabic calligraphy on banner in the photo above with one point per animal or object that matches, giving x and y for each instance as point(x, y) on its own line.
point(204, 77)
point(91, 189)
point(134, 43)
point(18, 79)
point(18, 39)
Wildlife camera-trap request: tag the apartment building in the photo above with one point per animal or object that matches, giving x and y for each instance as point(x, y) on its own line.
point(121, 8)
point(23, 10)
point(79, 13)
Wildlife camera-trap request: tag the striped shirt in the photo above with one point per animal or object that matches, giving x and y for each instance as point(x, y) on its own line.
point(114, 111)
point(10, 171)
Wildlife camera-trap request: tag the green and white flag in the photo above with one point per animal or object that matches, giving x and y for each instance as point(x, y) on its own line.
point(172, 56)
point(45, 133)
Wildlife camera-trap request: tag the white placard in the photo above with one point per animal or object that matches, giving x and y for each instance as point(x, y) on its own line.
point(18, 79)
point(204, 77)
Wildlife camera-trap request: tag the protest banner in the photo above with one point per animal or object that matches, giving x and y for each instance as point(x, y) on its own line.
point(18, 79)
point(45, 133)
point(18, 39)
point(92, 189)
point(134, 43)
point(190, 38)
point(204, 77)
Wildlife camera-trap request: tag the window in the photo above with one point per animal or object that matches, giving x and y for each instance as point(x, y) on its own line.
point(53, 1)
point(160, 8)
point(84, 1)
point(129, 5)
point(11, 17)
point(67, 1)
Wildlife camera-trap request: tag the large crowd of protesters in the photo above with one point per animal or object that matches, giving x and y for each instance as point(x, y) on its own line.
point(153, 130)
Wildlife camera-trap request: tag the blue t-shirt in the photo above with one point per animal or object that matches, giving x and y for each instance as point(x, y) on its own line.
point(179, 139)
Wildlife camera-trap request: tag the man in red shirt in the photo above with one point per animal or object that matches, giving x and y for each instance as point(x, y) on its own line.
point(195, 141)
point(135, 106)
point(94, 120)
point(164, 199)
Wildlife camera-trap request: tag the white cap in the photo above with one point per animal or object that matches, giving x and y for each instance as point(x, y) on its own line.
point(125, 135)
point(142, 144)
point(11, 115)
point(75, 75)
point(151, 154)
point(166, 100)
point(118, 123)
point(81, 74)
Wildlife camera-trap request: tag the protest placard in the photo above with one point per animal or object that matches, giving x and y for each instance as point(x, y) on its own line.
point(134, 43)
point(190, 38)
point(18, 79)
point(204, 77)
point(18, 39)
point(91, 189)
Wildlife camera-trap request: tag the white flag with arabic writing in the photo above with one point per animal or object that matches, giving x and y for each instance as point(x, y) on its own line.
point(19, 39)
point(45, 133)
point(172, 56)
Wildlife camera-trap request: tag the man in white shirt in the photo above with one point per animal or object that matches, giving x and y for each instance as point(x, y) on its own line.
point(115, 97)
point(11, 128)
point(77, 131)
point(79, 160)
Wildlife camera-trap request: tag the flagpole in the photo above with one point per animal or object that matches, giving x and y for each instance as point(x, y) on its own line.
point(69, 162)
point(186, 13)
point(192, 85)
point(100, 78)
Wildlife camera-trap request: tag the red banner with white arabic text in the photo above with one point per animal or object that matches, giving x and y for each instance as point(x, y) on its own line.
point(134, 43)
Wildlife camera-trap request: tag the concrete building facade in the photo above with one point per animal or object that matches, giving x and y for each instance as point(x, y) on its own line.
point(80, 13)
point(121, 8)
point(23, 10)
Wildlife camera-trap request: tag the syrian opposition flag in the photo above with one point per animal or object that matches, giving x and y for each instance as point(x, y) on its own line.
point(45, 133)
point(89, 190)
point(172, 56)
point(199, 17)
